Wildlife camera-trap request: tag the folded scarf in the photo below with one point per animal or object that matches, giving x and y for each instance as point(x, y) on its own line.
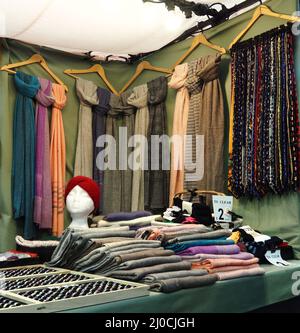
point(144, 254)
point(224, 268)
point(150, 278)
point(174, 284)
point(203, 256)
point(214, 263)
point(110, 228)
point(240, 273)
point(123, 216)
point(211, 249)
point(107, 240)
point(182, 246)
point(35, 243)
point(138, 273)
point(145, 262)
point(195, 236)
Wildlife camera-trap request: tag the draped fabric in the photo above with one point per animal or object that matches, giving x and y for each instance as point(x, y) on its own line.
point(43, 191)
point(118, 177)
point(58, 159)
point(180, 117)
point(98, 124)
point(87, 94)
point(24, 152)
point(157, 181)
point(265, 150)
point(205, 119)
point(139, 99)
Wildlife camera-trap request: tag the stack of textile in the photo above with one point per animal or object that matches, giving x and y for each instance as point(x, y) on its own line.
point(258, 244)
point(206, 248)
point(17, 258)
point(134, 220)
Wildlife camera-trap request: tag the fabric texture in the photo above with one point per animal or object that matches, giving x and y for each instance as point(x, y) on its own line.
point(156, 177)
point(139, 99)
point(170, 275)
point(43, 191)
point(205, 118)
point(126, 216)
point(174, 284)
point(87, 94)
point(58, 159)
point(203, 256)
point(98, 127)
point(23, 163)
point(240, 273)
point(87, 184)
point(118, 182)
point(211, 249)
point(180, 118)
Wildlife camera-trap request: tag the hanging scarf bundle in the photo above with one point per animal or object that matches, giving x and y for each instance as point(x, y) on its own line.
point(58, 159)
point(98, 124)
point(43, 192)
point(157, 181)
point(177, 82)
point(118, 177)
point(139, 99)
point(205, 119)
point(265, 138)
point(87, 94)
point(24, 151)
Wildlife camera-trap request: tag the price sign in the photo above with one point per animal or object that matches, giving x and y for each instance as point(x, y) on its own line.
point(275, 258)
point(222, 205)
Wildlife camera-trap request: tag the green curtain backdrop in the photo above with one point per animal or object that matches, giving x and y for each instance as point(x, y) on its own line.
point(278, 215)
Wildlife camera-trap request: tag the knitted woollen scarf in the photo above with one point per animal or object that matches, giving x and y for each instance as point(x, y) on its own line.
point(139, 98)
point(43, 192)
point(118, 182)
point(205, 118)
point(58, 159)
point(98, 125)
point(180, 118)
point(157, 181)
point(87, 94)
point(24, 151)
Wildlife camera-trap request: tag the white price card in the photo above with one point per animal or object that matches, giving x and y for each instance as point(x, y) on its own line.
point(275, 258)
point(222, 205)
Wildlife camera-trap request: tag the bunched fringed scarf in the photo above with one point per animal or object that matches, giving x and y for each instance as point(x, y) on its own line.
point(87, 94)
point(99, 125)
point(206, 119)
point(157, 181)
point(58, 159)
point(265, 125)
point(139, 99)
point(24, 151)
point(118, 182)
point(181, 111)
point(43, 191)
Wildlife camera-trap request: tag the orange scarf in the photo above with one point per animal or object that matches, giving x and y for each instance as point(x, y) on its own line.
point(58, 159)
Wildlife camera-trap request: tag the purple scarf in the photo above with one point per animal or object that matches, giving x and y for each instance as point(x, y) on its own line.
point(211, 249)
point(43, 194)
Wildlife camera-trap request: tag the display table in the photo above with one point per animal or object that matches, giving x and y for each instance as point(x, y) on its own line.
point(238, 295)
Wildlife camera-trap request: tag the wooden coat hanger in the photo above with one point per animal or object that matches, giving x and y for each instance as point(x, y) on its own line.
point(140, 68)
point(198, 40)
point(35, 59)
point(260, 11)
point(94, 69)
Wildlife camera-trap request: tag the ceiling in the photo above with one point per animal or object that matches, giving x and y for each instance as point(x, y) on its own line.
point(118, 27)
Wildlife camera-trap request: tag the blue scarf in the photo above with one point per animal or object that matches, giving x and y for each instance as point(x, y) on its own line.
point(24, 151)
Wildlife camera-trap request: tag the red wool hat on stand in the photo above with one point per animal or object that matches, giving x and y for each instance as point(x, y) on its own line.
point(87, 184)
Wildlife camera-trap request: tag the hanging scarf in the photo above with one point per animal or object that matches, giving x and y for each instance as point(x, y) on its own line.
point(58, 159)
point(87, 94)
point(139, 98)
point(157, 181)
point(24, 151)
point(180, 117)
point(205, 118)
point(118, 183)
point(99, 124)
point(43, 192)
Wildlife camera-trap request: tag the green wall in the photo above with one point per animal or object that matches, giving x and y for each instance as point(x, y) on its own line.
point(278, 215)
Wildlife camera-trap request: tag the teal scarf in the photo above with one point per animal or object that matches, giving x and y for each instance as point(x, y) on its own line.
point(24, 151)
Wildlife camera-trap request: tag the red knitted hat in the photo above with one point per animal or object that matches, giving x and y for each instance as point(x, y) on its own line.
point(88, 184)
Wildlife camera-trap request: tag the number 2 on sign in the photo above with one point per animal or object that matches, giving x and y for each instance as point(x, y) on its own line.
point(221, 218)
